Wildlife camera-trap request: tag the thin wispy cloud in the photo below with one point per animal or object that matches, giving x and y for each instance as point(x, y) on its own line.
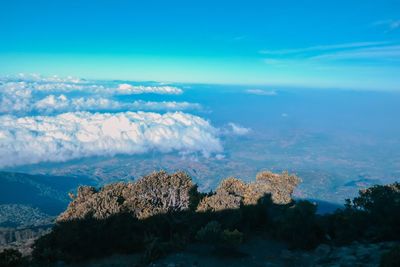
point(261, 92)
point(371, 53)
point(321, 48)
point(389, 25)
point(127, 89)
point(363, 51)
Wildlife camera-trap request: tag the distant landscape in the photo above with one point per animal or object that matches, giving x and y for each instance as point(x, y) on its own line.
point(199, 133)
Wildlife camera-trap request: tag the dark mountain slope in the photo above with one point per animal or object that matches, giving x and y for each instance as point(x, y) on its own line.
point(48, 193)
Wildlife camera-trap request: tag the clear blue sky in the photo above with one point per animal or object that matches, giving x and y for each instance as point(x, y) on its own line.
point(338, 44)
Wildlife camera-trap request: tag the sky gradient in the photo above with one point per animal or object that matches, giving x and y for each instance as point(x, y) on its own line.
point(330, 44)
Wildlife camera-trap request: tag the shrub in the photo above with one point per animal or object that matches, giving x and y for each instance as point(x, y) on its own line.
point(372, 216)
point(298, 226)
point(210, 233)
point(232, 238)
point(154, 249)
point(10, 258)
point(391, 258)
point(382, 206)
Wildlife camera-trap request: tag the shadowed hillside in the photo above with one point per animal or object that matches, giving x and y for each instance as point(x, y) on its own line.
point(162, 213)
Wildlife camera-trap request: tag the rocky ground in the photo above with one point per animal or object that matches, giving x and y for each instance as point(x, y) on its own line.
point(258, 253)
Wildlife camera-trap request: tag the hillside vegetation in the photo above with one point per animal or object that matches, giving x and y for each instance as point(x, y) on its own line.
point(162, 213)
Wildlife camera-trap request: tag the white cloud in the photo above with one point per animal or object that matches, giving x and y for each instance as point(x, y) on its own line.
point(57, 104)
point(235, 129)
point(321, 48)
point(387, 51)
point(391, 53)
point(220, 156)
point(51, 103)
point(261, 92)
point(34, 77)
point(32, 93)
point(69, 87)
point(35, 84)
point(14, 97)
point(127, 89)
point(389, 24)
point(164, 105)
point(34, 139)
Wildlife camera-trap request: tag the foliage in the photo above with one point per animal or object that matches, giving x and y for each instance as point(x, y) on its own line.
point(372, 216)
point(210, 233)
point(345, 225)
point(154, 249)
point(10, 258)
point(391, 258)
point(163, 213)
point(232, 238)
point(381, 204)
point(299, 227)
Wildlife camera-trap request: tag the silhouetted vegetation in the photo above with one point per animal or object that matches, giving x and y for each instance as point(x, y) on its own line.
point(298, 226)
point(372, 216)
point(391, 258)
point(10, 258)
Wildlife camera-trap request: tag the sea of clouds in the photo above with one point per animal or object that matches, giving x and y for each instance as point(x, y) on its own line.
point(72, 135)
point(53, 119)
point(26, 94)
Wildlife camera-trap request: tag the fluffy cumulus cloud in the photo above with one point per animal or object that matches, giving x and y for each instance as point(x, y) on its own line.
point(57, 119)
point(61, 103)
point(14, 97)
point(238, 130)
point(23, 95)
point(127, 89)
point(56, 104)
point(33, 139)
point(164, 105)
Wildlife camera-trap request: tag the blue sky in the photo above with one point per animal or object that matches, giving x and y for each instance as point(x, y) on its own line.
point(322, 44)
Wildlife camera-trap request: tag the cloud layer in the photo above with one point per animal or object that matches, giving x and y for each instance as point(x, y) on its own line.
point(33, 94)
point(34, 139)
point(53, 119)
point(61, 103)
point(127, 89)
